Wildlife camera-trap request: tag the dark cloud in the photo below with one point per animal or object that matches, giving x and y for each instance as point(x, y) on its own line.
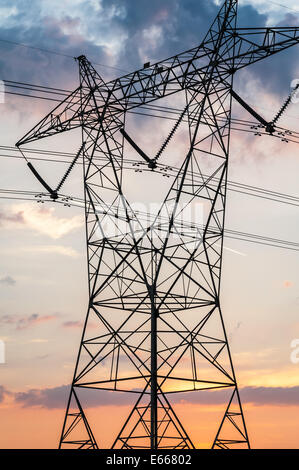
point(277, 71)
point(47, 398)
point(8, 280)
point(181, 24)
point(61, 35)
point(56, 397)
point(280, 396)
point(271, 395)
point(124, 33)
point(156, 30)
point(248, 16)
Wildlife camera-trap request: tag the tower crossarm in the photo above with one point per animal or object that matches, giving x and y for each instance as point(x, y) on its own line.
point(224, 50)
point(255, 44)
point(65, 116)
point(129, 91)
point(181, 71)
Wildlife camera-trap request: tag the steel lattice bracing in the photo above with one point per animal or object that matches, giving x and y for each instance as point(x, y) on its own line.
point(154, 288)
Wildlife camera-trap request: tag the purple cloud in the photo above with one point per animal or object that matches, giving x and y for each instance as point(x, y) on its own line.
point(56, 397)
point(24, 322)
point(16, 218)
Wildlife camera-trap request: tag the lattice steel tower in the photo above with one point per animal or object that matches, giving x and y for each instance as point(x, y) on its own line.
point(154, 325)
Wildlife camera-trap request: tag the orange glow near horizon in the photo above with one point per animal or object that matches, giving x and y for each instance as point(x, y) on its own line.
point(268, 426)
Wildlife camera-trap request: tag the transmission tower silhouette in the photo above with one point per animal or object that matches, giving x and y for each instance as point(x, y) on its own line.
point(154, 325)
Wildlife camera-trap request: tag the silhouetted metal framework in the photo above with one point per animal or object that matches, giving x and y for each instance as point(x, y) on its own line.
point(154, 290)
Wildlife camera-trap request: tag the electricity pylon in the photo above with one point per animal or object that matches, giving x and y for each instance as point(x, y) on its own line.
point(154, 325)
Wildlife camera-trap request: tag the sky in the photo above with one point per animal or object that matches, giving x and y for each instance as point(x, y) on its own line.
point(43, 270)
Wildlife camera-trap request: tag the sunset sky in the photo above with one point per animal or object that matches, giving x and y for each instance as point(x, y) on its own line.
point(43, 271)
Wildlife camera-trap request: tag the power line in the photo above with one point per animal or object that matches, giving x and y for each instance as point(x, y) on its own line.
point(283, 6)
point(165, 109)
point(35, 87)
point(48, 51)
point(78, 202)
point(233, 186)
point(36, 48)
point(249, 126)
